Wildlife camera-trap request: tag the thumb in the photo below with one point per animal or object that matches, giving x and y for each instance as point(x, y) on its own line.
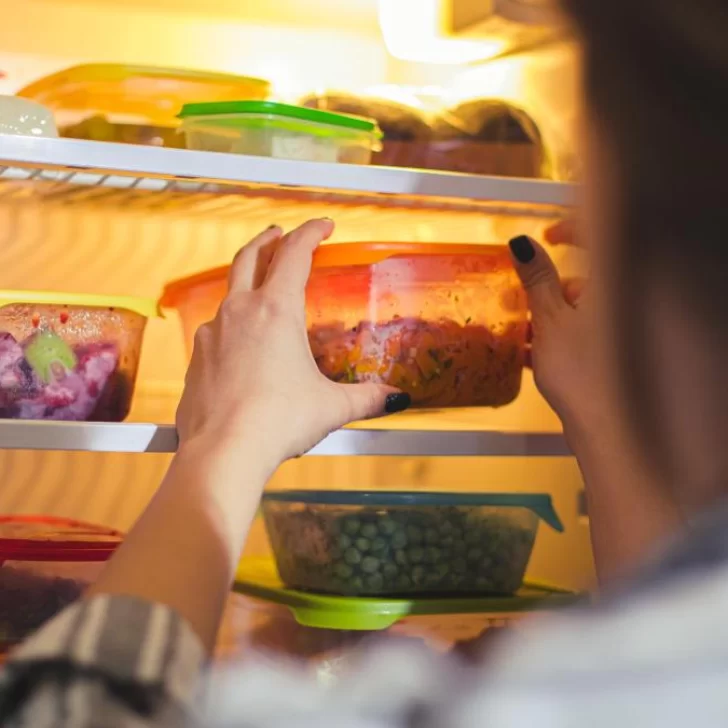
point(539, 277)
point(369, 400)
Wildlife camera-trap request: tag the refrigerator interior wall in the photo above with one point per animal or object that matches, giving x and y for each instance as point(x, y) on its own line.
point(89, 246)
point(93, 246)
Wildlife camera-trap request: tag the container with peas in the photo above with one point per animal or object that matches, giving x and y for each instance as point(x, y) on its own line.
point(390, 543)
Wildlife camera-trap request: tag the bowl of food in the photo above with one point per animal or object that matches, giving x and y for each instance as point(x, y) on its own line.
point(445, 323)
point(69, 356)
point(46, 563)
point(366, 543)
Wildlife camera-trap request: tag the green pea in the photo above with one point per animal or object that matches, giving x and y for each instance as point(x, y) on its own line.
point(442, 570)
point(356, 585)
point(363, 544)
point(400, 556)
point(399, 540)
point(416, 555)
point(446, 528)
point(431, 579)
point(352, 556)
point(379, 545)
point(475, 555)
point(472, 536)
point(352, 526)
point(418, 574)
point(343, 571)
point(344, 541)
point(369, 530)
point(414, 534)
point(460, 565)
point(432, 554)
point(387, 526)
point(370, 564)
point(432, 536)
point(459, 548)
point(403, 582)
point(482, 583)
point(375, 582)
point(390, 570)
point(446, 542)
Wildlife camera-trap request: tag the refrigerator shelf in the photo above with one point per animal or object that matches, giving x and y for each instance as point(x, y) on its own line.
point(153, 178)
point(143, 437)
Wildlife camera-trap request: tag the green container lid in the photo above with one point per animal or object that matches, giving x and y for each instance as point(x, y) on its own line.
point(258, 578)
point(283, 111)
point(538, 503)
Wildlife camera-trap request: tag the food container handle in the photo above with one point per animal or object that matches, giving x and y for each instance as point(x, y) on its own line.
point(547, 513)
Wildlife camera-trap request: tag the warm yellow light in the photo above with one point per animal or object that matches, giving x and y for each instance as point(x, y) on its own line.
point(412, 32)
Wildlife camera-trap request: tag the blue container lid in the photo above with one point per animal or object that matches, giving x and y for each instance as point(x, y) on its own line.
point(538, 503)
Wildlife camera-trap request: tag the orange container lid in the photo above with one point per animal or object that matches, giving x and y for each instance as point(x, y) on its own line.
point(48, 538)
point(174, 289)
point(368, 253)
point(333, 255)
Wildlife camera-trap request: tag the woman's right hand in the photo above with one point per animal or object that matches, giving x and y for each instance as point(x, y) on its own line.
point(564, 355)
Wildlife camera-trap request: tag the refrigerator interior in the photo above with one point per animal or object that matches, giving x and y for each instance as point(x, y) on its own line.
point(97, 239)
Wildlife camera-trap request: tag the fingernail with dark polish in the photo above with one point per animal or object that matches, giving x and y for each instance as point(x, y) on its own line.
point(397, 402)
point(522, 248)
point(270, 227)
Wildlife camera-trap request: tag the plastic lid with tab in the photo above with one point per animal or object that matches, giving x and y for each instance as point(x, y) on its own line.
point(539, 503)
point(258, 578)
point(49, 538)
point(272, 109)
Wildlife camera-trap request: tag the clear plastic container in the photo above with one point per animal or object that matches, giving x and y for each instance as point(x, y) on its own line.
point(21, 117)
point(138, 104)
point(405, 129)
point(268, 129)
point(69, 356)
point(45, 564)
point(360, 543)
point(445, 323)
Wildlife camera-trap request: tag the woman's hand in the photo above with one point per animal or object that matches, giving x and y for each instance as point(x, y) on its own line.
point(629, 513)
point(564, 343)
point(252, 374)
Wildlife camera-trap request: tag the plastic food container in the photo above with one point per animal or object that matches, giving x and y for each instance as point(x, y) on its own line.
point(45, 564)
point(488, 136)
point(268, 129)
point(405, 129)
point(21, 117)
point(389, 543)
point(69, 356)
point(137, 104)
point(445, 323)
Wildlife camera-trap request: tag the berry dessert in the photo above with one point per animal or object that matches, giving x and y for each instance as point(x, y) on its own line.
point(403, 550)
point(439, 363)
point(44, 378)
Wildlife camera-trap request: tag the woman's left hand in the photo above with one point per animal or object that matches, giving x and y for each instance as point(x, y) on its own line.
point(252, 376)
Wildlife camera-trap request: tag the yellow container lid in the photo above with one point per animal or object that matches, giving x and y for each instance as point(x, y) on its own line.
point(146, 307)
point(142, 93)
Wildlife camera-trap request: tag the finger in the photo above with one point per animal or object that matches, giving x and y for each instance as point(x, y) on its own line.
point(252, 261)
point(291, 265)
point(573, 289)
point(562, 233)
point(369, 400)
point(539, 277)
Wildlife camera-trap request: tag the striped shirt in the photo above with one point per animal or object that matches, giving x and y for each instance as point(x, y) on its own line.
point(655, 655)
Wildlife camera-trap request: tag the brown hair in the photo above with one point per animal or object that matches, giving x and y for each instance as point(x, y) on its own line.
point(656, 81)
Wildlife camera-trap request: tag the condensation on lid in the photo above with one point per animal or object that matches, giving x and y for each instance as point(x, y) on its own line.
point(143, 306)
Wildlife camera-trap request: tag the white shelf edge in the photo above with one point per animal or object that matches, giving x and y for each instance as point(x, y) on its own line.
point(85, 158)
point(151, 438)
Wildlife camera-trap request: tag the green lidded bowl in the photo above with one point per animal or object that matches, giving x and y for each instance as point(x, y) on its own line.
point(370, 543)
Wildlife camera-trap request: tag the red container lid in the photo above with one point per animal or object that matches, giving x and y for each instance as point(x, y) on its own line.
point(47, 538)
